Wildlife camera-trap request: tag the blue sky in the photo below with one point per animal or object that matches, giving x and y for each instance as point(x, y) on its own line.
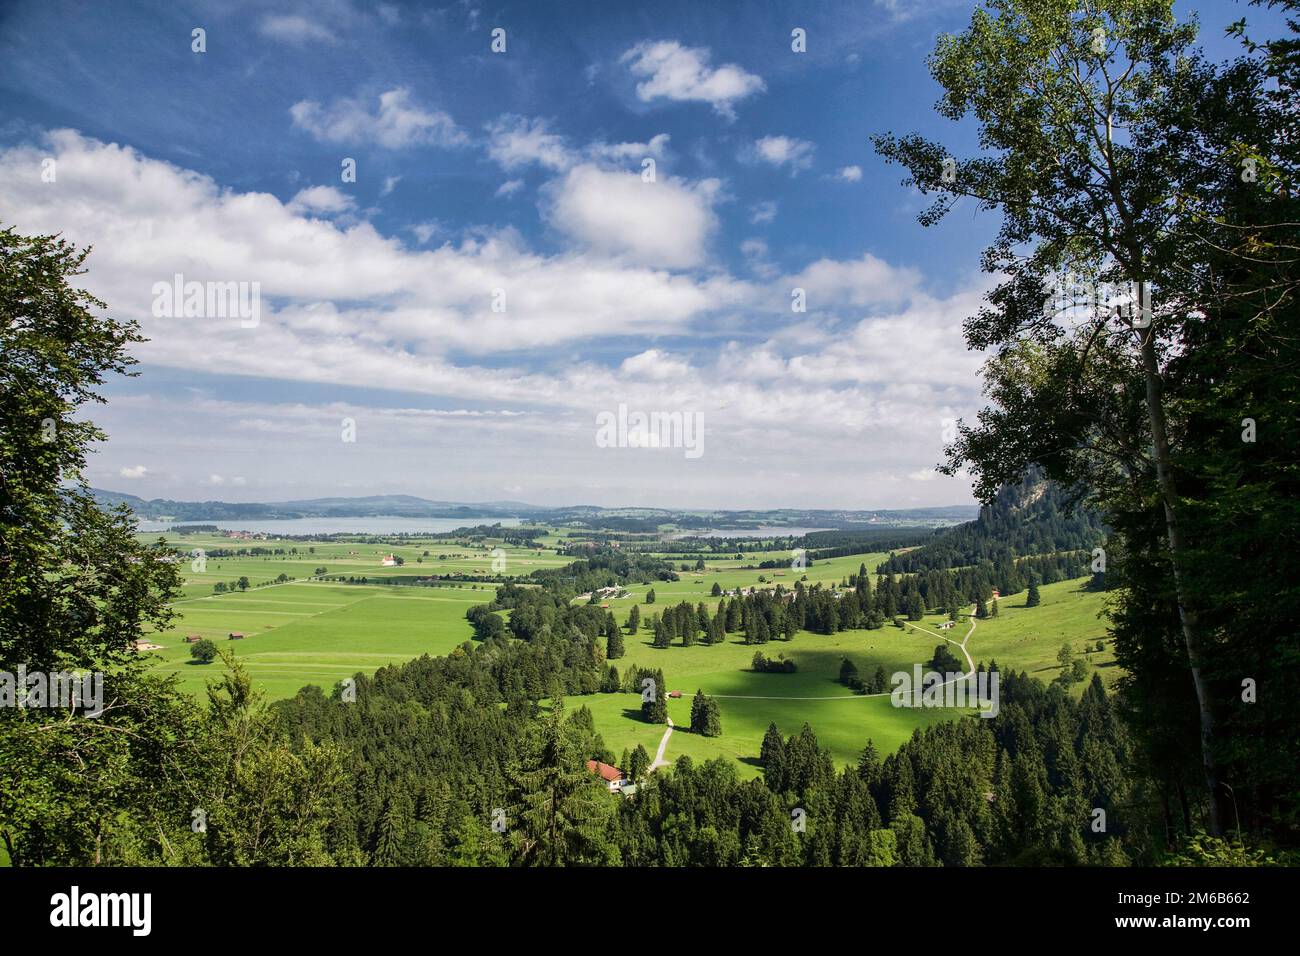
point(518, 171)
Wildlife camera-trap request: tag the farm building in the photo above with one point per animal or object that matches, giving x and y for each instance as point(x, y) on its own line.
point(236, 635)
point(612, 776)
point(193, 638)
point(388, 562)
point(675, 694)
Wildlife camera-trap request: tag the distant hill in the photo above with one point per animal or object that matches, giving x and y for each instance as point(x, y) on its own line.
point(626, 519)
point(1030, 518)
point(402, 506)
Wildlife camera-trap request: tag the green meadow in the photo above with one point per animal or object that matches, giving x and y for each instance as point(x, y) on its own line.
point(1019, 637)
point(318, 632)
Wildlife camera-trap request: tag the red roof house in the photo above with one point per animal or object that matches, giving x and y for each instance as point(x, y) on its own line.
point(611, 775)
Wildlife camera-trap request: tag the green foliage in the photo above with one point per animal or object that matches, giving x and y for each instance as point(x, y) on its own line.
point(705, 718)
point(204, 651)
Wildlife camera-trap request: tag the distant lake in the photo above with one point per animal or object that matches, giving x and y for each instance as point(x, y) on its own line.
point(308, 526)
point(766, 532)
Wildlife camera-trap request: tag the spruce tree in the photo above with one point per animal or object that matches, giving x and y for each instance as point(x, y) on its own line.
point(772, 757)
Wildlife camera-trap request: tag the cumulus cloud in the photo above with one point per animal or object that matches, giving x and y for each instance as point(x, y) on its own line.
point(877, 361)
point(654, 365)
point(667, 70)
point(850, 174)
point(516, 141)
point(797, 154)
point(322, 199)
point(762, 212)
point(665, 223)
point(396, 122)
point(860, 282)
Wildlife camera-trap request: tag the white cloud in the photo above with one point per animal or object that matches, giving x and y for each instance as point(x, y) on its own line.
point(761, 212)
point(328, 200)
point(390, 183)
point(668, 70)
point(340, 299)
point(509, 187)
point(850, 174)
point(395, 124)
point(515, 141)
point(665, 223)
point(856, 386)
point(424, 231)
point(294, 29)
point(784, 151)
point(654, 365)
point(859, 282)
point(622, 152)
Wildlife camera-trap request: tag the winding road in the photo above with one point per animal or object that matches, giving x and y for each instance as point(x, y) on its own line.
point(659, 760)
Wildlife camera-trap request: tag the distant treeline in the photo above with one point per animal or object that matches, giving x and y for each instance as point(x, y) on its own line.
point(838, 544)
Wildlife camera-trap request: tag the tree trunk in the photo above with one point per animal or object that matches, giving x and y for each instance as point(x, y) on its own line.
point(1186, 615)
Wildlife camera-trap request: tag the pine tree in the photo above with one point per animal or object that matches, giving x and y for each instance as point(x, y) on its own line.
point(611, 684)
point(699, 708)
point(614, 645)
point(650, 596)
point(634, 619)
point(638, 764)
point(772, 757)
point(559, 811)
point(1033, 599)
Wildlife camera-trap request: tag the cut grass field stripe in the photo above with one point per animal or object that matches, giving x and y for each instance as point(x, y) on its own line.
point(231, 610)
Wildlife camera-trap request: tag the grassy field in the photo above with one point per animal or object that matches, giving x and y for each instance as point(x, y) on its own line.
point(319, 632)
point(1024, 638)
point(350, 559)
point(316, 633)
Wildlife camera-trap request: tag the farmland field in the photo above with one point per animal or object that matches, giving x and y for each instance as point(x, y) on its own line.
point(305, 631)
